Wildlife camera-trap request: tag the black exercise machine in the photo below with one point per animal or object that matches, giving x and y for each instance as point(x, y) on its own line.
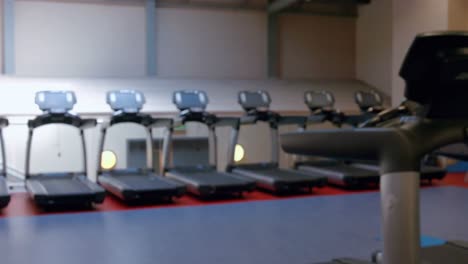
point(435, 72)
point(268, 175)
point(68, 188)
point(136, 184)
point(371, 105)
point(203, 180)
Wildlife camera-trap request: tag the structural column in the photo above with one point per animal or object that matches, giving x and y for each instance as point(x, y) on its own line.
point(8, 36)
point(272, 49)
point(150, 37)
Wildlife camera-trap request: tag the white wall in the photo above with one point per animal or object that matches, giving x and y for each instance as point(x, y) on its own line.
point(60, 39)
point(410, 19)
point(223, 93)
point(197, 43)
point(314, 47)
point(374, 45)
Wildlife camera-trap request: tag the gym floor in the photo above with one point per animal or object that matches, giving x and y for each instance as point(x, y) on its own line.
point(260, 228)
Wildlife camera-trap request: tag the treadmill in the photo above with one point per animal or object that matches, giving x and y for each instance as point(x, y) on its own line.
point(370, 104)
point(268, 175)
point(203, 180)
point(338, 172)
point(67, 188)
point(136, 184)
point(434, 71)
point(4, 196)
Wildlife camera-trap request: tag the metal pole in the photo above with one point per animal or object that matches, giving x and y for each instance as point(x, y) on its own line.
point(400, 215)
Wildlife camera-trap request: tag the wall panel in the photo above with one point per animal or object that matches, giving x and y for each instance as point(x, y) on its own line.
point(374, 45)
point(196, 43)
point(60, 39)
point(317, 47)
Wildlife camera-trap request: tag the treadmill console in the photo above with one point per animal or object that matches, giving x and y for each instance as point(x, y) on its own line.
point(192, 106)
point(319, 100)
point(370, 101)
point(435, 71)
point(55, 102)
point(255, 101)
point(126, 101)
point(256, 104)
point(321, 105)
point(195, 101)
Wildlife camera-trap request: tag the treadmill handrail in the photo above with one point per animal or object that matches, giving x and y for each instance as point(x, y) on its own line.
point(200, 116)
point(227, 121)
point(58, 118)
point(254, 116)
point(274, 120)
point(143, 119)
point(293, 120)
point(61, 118)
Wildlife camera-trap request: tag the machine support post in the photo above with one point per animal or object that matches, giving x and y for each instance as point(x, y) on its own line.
point(232, 147)
point(213, 145)
point(274, 144)
point(149, 149)
point(400, 216)
point(4, 161)
point(299, 158)
point(164, 160)
point(28, 154)
point(83, 143)
point(101, 148)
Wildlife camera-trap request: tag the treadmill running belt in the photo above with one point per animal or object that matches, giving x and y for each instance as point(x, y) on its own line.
point(276, 175)
point(341, 171)
point(345, 175)
point(61, 186)
point(209, 178)
point(141, 186)
point(77, 189)
point(137, 182)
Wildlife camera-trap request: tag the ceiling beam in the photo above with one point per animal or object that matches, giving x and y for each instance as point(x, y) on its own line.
point(279, 5)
